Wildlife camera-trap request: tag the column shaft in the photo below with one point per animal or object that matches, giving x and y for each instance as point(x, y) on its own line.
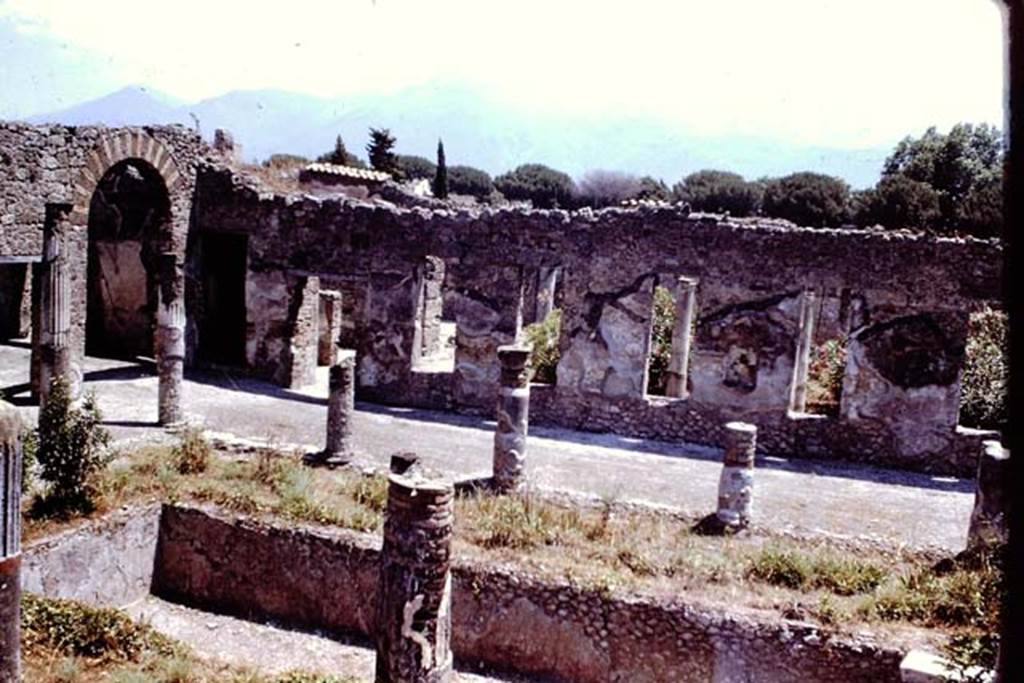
point(991, 497)
point(55, 354)
point(736, 484)
point(679, 359)
point(170, 339)
point(805, 341)
point(414, 584)
point(10, 544)
point(513, 417)
point(341, 404)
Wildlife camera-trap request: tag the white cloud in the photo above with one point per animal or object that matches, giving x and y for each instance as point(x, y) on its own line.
point(815, 71)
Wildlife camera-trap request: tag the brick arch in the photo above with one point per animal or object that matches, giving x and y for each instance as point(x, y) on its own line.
point(129, 144)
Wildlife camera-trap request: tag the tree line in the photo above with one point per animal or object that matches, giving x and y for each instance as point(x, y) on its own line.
point(943, 183)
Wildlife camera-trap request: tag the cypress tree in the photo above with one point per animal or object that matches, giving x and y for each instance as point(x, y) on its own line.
point(441, 176)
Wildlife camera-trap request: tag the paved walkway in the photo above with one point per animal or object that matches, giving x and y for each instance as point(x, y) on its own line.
point(898, 508)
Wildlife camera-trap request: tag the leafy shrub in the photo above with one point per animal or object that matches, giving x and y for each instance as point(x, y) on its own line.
point(470, 181)
point(544, 358)
point(653, 189)
point(29, 448)
point(544, 186)
point(664, 319)
point(984, 383)
point(719, 192)
point(71, 451)
point(193, 453)
point(968, 652)
point(964, 167)
point(825, 377)
point(899, 202)
point(73, 628)
point(415, 167)
point(807, 199)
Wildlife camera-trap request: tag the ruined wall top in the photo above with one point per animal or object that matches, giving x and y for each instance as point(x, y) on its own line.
point(302, 231)
point(57, 164)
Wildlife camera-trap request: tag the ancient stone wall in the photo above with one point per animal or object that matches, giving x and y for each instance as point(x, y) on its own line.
point(753, 279)
point(503, 617)
point(63, 166)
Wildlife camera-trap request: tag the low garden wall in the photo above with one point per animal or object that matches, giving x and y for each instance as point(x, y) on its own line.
point(501, 616)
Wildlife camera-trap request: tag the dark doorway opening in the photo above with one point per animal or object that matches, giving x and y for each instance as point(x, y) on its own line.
point(129, 216)
point(222, 322)
point(14, 311)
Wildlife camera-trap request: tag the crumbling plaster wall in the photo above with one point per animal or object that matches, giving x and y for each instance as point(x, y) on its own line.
point(751, 274)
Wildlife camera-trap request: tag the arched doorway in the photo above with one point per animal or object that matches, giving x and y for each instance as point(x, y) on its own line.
point(129, 222)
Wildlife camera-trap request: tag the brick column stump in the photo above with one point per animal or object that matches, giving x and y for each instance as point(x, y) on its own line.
point(414, 583)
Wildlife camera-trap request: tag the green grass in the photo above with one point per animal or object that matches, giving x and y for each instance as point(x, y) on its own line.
point(64, 641)
point(802, 571)
point(605, 545)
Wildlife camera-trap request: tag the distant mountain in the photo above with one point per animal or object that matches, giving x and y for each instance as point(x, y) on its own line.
point(129, 106)
point(478, 130)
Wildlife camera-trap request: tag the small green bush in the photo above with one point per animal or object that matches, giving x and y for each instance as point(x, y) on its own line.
point(71, 451)
point(966, 651)
point(544, 358)
point(193, 453)
point(29, 448)
point(986, 372)
point(76, 629)
point(664, 319)
point(825, 377)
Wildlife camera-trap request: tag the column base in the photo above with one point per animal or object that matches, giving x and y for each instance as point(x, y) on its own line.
point(330, 460)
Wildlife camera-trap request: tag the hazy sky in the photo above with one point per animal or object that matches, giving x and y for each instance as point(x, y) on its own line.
point(850, 73)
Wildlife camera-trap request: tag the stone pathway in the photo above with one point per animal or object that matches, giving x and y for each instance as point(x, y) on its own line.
point(266, 646)
point(896, 508)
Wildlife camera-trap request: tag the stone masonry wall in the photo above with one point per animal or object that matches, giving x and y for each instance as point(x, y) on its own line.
point(501, 616)
point(751, 275)
point(63, 165)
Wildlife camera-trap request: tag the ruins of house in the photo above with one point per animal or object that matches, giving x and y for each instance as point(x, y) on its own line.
point(165, 250)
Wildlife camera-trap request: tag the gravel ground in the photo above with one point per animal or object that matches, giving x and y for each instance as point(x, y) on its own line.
point(266, 646)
